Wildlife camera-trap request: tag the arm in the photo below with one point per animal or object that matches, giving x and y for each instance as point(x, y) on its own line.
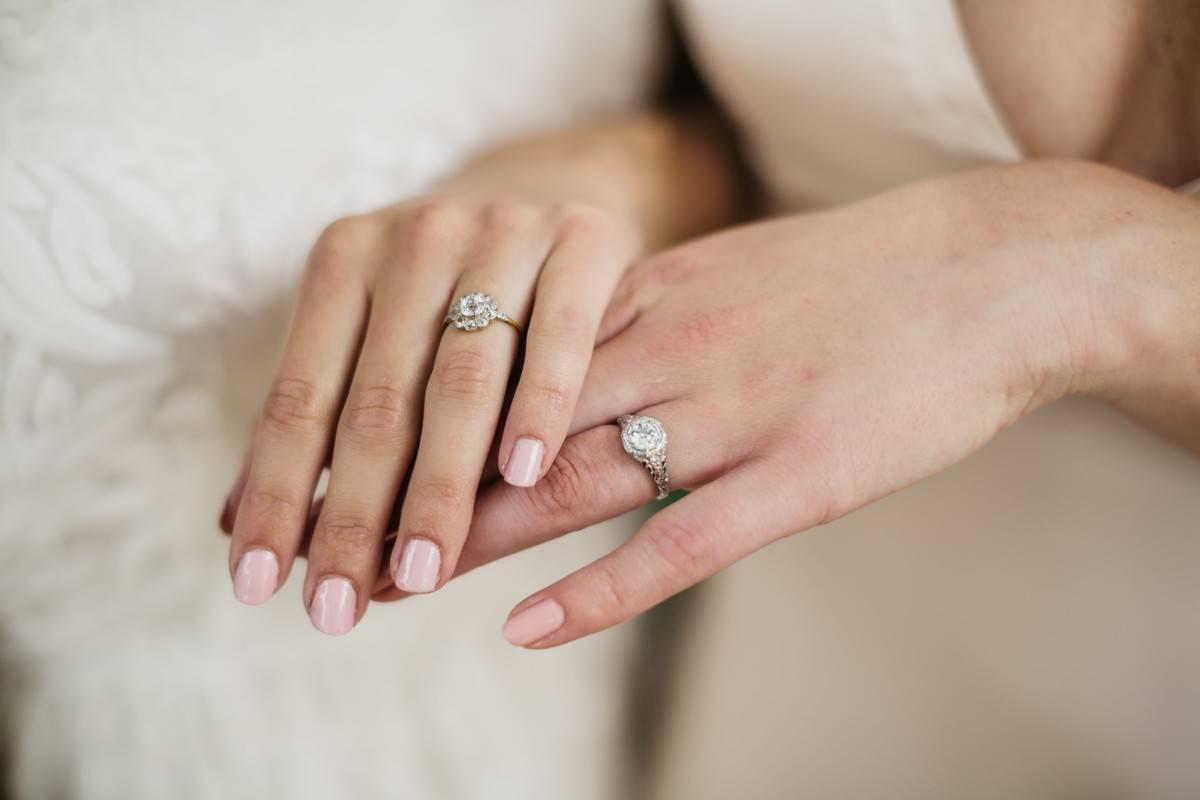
point(809, 365)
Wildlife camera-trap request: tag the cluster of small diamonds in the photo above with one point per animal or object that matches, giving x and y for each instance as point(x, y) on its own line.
point(473, 311)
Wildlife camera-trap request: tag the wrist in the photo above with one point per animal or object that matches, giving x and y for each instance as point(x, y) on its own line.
point(1104, 267)
point(1146, 316)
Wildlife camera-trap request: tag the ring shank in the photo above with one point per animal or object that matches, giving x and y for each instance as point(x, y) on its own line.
point(658, 471)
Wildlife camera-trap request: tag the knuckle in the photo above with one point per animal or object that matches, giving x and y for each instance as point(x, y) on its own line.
point(667, 268)
point(436, 494)
point(684, 549)
point(507, 217)
point(293, 405)
point(697, 331)
point(613, 594)
point(377, 413)
point(563, 490)
point(552, 398)
point(437, 220)
point(463, 375)
point(271, 507)
point(343, 239)
point(580, 220)
point(828, 490)
point(347, 531)
point(568, 324)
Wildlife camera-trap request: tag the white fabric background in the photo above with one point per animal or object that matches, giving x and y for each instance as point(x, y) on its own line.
point(164, 166)
point(1025, 624)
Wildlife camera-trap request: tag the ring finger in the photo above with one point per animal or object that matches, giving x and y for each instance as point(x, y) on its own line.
point(463, 401)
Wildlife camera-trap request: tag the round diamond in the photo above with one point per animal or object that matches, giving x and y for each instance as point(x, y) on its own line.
point(472, 305)
point(643, 436)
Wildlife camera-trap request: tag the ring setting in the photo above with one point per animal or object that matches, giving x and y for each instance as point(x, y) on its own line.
point(645, 439)
point(476, 310)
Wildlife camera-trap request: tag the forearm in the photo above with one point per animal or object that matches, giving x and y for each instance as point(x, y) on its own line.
point(670, 174)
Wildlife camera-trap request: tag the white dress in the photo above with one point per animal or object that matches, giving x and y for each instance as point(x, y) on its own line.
point(1024, 625)
point(164, 167)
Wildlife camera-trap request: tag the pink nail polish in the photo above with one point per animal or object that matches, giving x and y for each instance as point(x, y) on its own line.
point(419, 566)
point(524, 462)
point(256, 577)
point(536, 622)
point(333, 606)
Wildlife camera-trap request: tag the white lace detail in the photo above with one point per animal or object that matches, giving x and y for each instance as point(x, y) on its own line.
point(164, 167)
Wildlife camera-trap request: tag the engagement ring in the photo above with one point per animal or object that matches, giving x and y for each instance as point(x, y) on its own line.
point(476, 310)
point(645, 439)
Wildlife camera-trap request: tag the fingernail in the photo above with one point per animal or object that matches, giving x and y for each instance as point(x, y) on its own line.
point(256, 577)
point(536, 622)
point(419, 566)
point(524, 462)
point(333, 606)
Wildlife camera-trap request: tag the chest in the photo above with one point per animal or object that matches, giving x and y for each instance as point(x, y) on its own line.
point(1114, 80)
point(835, 101)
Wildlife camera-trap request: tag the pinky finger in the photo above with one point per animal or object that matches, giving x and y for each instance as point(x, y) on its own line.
point(680, 546)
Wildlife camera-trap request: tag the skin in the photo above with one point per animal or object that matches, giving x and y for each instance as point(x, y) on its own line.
point(810, 365)
point(367, 385)
point(876, 344)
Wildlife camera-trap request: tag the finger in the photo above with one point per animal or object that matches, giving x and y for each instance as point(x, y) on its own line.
point(229, 508)
point(678, 547)
point(462, 405)
point(627, 373)
point(380, 420)
point(640, 287)
point(593, 479)
point(572, 289)
point(294, 428)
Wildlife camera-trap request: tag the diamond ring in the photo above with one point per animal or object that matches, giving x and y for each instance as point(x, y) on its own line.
point(476, 310)
point(645, 439)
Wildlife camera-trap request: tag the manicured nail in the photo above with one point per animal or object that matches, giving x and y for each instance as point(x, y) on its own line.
point(524, 462)
point(536, 622)
point(419, 566)
point(256, 577)
point(333, 606)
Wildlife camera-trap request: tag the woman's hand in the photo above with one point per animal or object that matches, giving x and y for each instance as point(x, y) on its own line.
point(368, 328)
point(370, 384)
point(806, 366)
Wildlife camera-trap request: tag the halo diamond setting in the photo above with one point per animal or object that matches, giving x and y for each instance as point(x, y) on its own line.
point(472, 311)
point(645, 439)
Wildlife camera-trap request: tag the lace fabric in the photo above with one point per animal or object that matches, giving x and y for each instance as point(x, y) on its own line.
point(164, 167)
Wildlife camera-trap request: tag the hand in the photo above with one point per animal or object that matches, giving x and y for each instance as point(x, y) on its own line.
point(806, 366)
point(369, 379)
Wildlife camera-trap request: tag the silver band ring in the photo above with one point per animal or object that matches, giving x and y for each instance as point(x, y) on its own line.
point(474, 311)
point(645, 439)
